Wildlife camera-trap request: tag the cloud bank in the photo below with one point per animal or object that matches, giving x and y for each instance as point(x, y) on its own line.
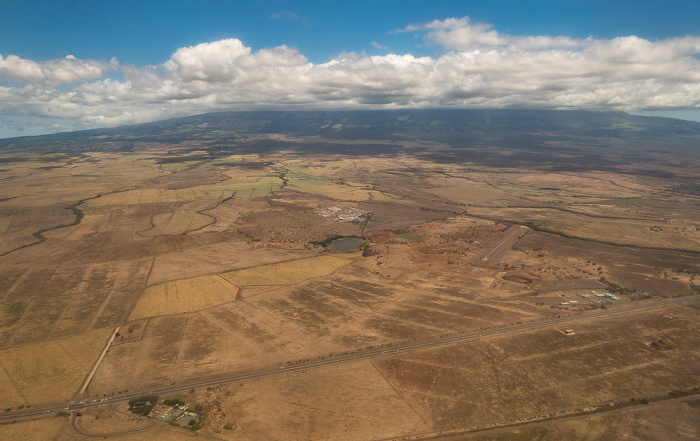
point(476, 67)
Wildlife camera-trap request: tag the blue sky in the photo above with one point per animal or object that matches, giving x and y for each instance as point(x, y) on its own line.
point(148, 32)
point(78, 64)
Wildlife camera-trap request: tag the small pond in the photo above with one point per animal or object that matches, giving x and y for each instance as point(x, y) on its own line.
point(345, 244)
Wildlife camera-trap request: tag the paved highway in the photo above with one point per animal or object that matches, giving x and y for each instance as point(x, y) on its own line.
point(358, 355)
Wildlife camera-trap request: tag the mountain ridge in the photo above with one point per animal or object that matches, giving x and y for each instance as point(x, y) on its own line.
point(453, 126)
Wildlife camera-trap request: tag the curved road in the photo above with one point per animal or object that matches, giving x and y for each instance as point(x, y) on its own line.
point(105, 435)
point(359, 355)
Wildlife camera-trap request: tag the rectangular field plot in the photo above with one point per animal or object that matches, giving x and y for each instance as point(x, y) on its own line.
point(79, 314)
point(534, 373)
point(11, 396)
point(10, 314)
point(20, 224)
point(250, 187)
point(38, 321)
point(286, 273)
point(216, 258)
point(5, 221)
point(52, 371)
point(127, 286)
point(184, 296)
point(29, 285)
point(9, 276)
point(324, 187)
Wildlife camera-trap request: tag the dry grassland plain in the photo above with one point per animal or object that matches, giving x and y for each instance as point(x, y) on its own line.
point(211, 265)
point(649, 422)
point(473, 385)
point(52, 371)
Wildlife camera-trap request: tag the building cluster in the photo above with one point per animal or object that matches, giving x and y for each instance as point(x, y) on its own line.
point(342, 214)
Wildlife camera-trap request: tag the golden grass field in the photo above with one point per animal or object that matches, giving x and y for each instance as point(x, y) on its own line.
point(51, 371)
point(36, 430)
point(286, 273)
point(186, 295)
point(470, 385)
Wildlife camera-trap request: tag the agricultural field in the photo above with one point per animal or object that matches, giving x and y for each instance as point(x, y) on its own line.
point(186, 295)
point(51, 371)
point(476, 385)
point(651, 421)
point(288, 273)
point(628, 228)
point(211, 255)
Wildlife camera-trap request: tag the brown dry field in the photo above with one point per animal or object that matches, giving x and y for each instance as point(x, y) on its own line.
point(213, 267)
point(500, 379)
point(656, 421)
point(513, 378)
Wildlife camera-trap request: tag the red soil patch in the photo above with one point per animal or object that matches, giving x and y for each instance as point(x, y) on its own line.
point(521, 277)
point(381, 237)
point(440, 249)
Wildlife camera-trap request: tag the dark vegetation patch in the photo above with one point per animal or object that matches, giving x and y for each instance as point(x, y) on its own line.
point(143, 405)
point(326, 243)
point(249, 165)
point(184, 158)
point(188, 178)
point(11, 159)
point(348, 149)
point(173, 400)
point(691, 189)
point(65, 156)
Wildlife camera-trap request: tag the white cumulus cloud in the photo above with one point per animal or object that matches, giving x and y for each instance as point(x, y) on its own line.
point(14, 68)
point(478, 67)
point(58, 71)
point(459, 33)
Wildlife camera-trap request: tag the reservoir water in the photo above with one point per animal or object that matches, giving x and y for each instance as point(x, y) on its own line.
point(345, 244)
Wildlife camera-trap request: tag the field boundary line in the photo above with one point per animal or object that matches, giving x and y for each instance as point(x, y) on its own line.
point(17, 389)
point(102, 307)
point(59, 320)
point(86, 383)
point(214, 323)
point(68, 354)
point(399, 393)
point(18, 326)
point(148, 276)
point(483, 430)
point(174, 367)
point(219, 273)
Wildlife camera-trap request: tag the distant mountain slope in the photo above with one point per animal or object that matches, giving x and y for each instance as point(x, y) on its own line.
point(518, 129)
